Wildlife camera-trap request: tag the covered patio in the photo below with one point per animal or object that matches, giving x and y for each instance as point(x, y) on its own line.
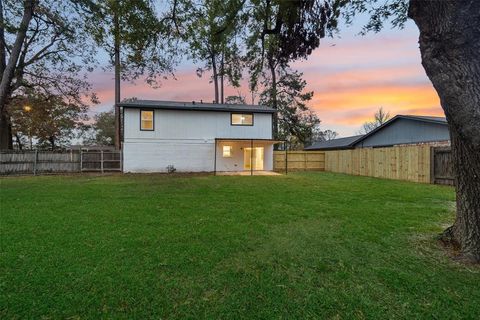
point(244, 156)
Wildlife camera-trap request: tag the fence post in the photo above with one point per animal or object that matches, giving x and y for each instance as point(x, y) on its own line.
point(101, 160)
point(35, 162)
point(432, 165)
point(81, 160)
point(121, 160)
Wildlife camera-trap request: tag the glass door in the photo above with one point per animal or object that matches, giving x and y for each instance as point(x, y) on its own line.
point(255, 159)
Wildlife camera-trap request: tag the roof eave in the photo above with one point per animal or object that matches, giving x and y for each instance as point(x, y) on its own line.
point(197, 108)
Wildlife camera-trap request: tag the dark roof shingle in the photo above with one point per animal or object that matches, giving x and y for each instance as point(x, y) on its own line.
point(196, 106)
point(334, 143)
point(425, 118)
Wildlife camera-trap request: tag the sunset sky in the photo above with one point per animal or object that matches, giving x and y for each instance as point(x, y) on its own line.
point(352, 76)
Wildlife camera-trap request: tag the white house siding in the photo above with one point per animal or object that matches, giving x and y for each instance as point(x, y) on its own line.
point(155, 156)
point(178, 124)
point(186, 140)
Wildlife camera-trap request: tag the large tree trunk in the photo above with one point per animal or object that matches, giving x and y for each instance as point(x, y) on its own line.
point(8, 73)
point(3, 55)
point(271, 65)
point(5, 126)
point(222, 85)
point(215, 76)
point(51, 139)
point(6, 141)
point(19, 141)
point(450, 49)
point(117, 75)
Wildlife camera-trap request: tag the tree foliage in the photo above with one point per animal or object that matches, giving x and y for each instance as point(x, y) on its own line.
point(50, 120)
point(212, 37)
point(40, 54)
point(237, 99)
point(329, 135)
point(104, 128)
point(380, 117)
point(379, 13)
point(296, 123)
point(146, 37)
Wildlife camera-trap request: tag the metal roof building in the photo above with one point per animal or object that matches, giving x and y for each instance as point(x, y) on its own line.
point(401, 129)
point(334, 144)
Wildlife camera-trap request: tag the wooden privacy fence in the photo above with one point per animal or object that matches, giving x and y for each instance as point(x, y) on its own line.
point(299, 161)
point(442, 165)
point(410, 163)
point(418, 163)
point(101, 161)
point(38, 162)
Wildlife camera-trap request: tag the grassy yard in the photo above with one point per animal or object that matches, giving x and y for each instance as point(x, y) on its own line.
point(307, 245)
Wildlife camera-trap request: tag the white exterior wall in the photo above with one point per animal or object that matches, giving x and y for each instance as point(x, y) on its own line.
point(178, 124)
point(186, 140)
point(155, 156)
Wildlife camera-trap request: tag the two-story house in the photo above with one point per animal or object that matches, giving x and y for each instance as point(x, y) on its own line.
point(196, 137)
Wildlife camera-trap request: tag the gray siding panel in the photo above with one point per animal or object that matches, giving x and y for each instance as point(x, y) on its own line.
point(405, 131)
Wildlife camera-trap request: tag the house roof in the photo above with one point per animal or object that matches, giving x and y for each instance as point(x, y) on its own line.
point(438, 120)
point(196, 106)
point(340, 143)
point(350, 142)
point(424, 118)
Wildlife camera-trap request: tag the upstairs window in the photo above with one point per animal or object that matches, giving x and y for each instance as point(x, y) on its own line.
point(146, 120)
point(242, 119)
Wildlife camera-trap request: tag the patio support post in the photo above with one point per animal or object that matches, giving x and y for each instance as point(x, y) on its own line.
point(101, 160)
point(215, 159)
point(286, 157)
point(251, 157)
point(35, 162)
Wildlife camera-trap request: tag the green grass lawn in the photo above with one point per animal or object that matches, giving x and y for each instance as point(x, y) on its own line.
point(306, 245)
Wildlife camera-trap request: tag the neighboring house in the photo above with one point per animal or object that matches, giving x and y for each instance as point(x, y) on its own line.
point(196, 137)
point(401, 129)
point(334, 144)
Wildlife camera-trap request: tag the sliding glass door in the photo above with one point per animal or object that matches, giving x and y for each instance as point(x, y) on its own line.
point(255, 159)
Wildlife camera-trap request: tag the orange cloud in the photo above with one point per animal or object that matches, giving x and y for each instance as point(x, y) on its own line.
point(357, 105)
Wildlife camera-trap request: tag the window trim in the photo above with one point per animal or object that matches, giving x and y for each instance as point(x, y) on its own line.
point(242, 113)
point(153, 119)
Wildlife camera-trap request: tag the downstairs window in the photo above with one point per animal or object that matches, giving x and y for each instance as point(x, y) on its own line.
point(227, 151)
